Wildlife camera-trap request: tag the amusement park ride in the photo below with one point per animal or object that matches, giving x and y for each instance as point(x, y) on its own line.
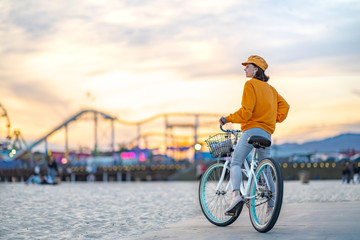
point(14, 146)
point(10, 143)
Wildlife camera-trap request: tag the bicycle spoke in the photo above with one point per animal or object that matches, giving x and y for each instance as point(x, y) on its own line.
point(267, 196)
point(214, 201)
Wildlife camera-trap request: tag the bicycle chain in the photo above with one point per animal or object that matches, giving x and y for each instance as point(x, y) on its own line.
point(247, 202)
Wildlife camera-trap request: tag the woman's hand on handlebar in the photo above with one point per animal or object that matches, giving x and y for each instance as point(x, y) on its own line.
point(222, 121)
point(235, 132)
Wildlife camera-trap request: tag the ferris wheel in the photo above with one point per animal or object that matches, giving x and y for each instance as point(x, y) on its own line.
point(4, 127)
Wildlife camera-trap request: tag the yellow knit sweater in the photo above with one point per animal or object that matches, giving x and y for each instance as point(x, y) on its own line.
point(261, 107)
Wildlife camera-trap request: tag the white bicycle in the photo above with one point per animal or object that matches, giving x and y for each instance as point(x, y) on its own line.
point(262, 185)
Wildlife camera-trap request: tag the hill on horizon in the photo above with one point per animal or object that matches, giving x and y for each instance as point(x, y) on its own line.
point(339, 143)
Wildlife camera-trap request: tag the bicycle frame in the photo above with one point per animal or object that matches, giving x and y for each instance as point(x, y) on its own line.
point(249, 172)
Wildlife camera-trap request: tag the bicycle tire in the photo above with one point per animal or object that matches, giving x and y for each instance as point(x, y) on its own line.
point(266, 197)
point(213, 204)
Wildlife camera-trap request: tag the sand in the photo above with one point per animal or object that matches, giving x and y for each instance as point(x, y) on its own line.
point(167, 210)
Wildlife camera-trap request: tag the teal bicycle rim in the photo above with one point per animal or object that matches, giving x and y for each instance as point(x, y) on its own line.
point(205, 204)
point(253, 192)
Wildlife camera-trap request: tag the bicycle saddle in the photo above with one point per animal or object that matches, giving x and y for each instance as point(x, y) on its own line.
point(259, 142)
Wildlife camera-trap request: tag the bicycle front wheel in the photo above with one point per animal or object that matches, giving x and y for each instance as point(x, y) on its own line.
point(214, 202)
point(267, 191)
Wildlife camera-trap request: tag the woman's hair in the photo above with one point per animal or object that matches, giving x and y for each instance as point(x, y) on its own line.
point(260, 74)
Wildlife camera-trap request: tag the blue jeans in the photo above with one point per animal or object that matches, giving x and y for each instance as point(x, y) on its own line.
point(52, 172)
point(34, 179)
point(242, 150)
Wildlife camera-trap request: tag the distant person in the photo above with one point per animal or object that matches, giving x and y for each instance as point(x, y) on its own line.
point(68, 173)
point(35, 178)
point(355, 172)
point(53, 169)
point(91, 169)
point(346, 173)
point(261, 108)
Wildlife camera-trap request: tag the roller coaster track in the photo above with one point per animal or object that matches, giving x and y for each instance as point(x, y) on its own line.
point(105, 116)
point(64, 124)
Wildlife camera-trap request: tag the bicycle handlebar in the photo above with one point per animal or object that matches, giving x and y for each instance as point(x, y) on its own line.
point(232, 131)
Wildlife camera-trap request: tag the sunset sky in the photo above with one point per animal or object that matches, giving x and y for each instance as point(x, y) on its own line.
point(135, 59)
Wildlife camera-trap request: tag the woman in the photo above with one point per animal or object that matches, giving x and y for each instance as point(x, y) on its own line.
point(261, 108)
point(53, 169)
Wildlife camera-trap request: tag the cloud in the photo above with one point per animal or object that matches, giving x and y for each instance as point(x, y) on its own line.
point(176, 35)
point(36, 91)
point(173, 53)
point(356, 92)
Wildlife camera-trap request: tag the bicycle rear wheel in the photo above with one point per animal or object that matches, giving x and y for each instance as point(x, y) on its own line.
point(214, 202)
point(267, 189)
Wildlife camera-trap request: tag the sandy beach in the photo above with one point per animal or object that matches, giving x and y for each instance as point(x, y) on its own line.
point(167, 210)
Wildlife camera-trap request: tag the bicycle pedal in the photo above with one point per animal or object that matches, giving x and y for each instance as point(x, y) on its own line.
point(230, 214)
point(235, 210)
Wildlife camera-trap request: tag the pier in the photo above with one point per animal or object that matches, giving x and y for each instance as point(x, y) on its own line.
point(104, 174)
point(163, 172)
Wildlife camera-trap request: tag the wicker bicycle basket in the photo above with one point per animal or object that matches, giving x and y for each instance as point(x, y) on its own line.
point(220, 145)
